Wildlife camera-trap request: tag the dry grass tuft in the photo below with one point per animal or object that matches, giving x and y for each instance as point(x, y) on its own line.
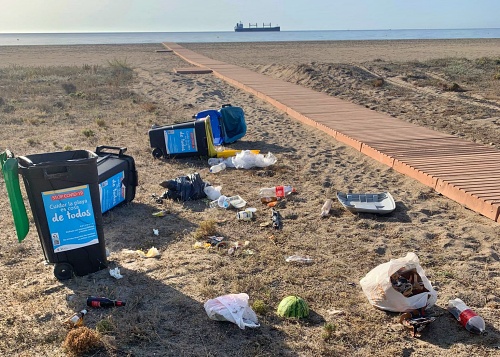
point(206, 229)
point(81, 340)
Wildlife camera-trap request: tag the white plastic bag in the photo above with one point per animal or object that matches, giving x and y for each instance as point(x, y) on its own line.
point(246, 159)
point(380, 292)
point(233, 308)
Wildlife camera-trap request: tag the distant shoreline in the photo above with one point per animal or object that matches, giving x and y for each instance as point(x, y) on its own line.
point(257, 53)
point(111, 38)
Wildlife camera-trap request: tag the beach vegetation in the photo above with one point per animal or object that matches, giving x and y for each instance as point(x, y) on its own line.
point(77, 94)
point(260, 307)
point(101, 123)
point(68, 88)
point(205, 229)
point(8, 108)
point(328, 331)
point(88, 133)
point(121, 72)
point(32, 142)
point(149, 107)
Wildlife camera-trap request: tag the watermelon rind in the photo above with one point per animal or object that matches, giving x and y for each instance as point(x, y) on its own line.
point(293, 306)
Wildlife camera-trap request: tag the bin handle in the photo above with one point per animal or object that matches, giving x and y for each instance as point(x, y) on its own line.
point(56, 175)
point(25, 159)
point(100, 149)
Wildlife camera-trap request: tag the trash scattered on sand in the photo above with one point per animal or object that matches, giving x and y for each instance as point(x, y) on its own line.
point(115, 273)
point(151, 253)
point(276, 219)
point(325, 210)
point(233, 308)
point(76, 320)
point(299, 259)
point(399, 285)
point(95, 301)
point(156, 232)
point(185, 188)
point(416, 321)
point(161, 213)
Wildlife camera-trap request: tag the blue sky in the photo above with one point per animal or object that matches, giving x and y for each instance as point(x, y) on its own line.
point(221, 15)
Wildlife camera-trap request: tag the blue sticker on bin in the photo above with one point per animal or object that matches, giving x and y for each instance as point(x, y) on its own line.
point(179, 141)
point(112, 191)
point(70, 216)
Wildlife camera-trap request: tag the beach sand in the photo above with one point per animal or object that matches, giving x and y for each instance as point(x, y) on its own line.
point(458, 249)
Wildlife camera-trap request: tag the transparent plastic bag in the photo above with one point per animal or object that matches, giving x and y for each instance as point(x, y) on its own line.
point(380, 286)
point(233, 308)
point(246, 159)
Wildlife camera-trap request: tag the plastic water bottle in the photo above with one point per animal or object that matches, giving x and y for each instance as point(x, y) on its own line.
point(223, 201)
point(278, 191)
point(216, 168)
point(468, 318)
point(215, 160)
point(325, 210)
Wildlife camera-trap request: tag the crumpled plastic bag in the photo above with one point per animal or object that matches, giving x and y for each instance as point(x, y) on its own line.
point(381, 293)
point(185, 188)
point(151, 253)
point(115, 273)
point(246, 159)
point(233, 308)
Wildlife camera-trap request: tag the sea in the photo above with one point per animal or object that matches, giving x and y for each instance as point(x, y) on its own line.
point(94, 38)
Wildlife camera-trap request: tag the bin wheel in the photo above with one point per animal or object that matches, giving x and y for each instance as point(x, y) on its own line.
point(157, 153)
point(63, 271)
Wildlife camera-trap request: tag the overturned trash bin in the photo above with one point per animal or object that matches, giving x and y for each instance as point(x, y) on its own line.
point(193, 138)
point(63, 191)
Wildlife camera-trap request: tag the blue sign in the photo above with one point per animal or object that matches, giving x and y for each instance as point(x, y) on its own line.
point(70, 216)
point(112, 191)
point(179, 141)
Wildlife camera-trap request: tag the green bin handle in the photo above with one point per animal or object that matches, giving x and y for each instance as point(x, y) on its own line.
point(9, 170)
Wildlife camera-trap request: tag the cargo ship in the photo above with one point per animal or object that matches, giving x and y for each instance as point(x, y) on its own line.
point(255, 28)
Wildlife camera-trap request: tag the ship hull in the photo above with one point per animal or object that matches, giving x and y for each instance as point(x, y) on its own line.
point(257, 29)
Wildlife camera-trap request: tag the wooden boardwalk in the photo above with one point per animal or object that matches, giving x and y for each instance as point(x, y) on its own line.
point(461, 170)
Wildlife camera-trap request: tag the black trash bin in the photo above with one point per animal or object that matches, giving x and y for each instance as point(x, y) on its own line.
point(193, 138)
point(63, 191)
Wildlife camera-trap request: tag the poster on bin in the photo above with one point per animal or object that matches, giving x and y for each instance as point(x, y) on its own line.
point(179, 141)
point(112, 191)
point(70, 217)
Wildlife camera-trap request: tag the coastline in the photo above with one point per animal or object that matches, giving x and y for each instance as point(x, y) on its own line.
point(261, 53)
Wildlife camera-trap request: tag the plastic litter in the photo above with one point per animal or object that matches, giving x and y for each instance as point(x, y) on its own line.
point(213, 193)
point(233, 308)
point(246, 159)
point(217, 168)
point(276, 219)
point(161, 213)
point(151, 253)
point(468, 318)
point(399, 285)
point(156, 232)
point(325, 210)
point(185, 188)
point(246, 215)
point(299, 259)
point(416, 321)
point(115, 273)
